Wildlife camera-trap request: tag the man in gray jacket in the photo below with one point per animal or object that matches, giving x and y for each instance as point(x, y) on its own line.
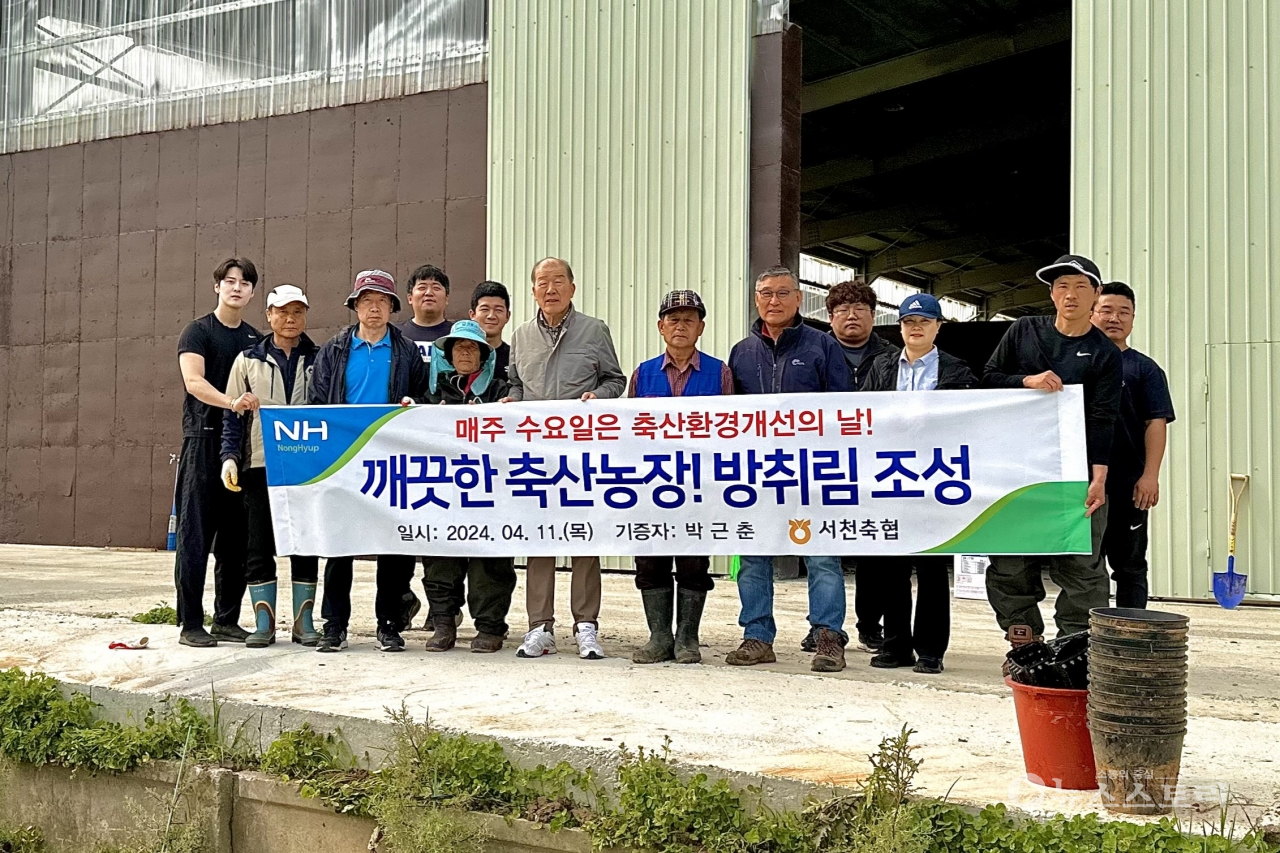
point(562, 354)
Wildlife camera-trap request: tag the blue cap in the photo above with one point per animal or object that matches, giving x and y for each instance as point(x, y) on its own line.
point(920, 305)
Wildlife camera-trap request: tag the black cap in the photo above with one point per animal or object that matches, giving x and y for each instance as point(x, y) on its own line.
point(677, 299)
point(1070, 265)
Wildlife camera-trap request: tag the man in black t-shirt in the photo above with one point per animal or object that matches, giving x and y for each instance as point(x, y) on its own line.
point(209, 516)
point(1048, 353)
point(1133, 478)
point(428, 297)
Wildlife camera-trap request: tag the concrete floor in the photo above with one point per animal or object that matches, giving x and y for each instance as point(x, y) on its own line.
point(59, 608)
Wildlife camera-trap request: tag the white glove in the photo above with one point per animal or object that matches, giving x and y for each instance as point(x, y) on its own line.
point(231, 475)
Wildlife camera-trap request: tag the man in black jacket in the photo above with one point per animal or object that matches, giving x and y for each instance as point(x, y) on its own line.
point(920, 366)
point(369, 362)
point(1047, 353)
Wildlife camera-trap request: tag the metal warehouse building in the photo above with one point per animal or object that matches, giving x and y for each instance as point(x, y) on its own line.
point(951, 146)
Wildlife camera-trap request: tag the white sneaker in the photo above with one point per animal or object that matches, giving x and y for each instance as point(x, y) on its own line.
point(589, 642)
point(537, 643)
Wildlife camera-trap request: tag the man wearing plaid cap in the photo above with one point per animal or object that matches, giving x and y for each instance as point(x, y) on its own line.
point(681, 371)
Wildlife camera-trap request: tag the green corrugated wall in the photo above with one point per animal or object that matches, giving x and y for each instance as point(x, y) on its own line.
point(619, 140)
point(1176, 127)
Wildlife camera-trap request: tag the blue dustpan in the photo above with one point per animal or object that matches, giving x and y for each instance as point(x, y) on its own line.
point(1229, 587)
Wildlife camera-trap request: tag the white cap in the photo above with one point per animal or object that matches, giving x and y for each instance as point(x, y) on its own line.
point(286, 293)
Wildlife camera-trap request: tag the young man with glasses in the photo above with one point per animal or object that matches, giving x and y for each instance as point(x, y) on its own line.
point(782, 355)
point(209, 516)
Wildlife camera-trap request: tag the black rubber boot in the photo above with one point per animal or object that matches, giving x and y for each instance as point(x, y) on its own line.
point(658, 605)
point(688, 617)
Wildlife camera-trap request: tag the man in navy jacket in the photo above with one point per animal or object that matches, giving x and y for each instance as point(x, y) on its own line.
point(784, 356)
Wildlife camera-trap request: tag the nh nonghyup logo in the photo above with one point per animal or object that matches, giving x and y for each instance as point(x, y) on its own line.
point(302, 431)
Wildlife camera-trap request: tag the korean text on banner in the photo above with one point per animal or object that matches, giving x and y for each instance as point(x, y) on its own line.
point(947, 472)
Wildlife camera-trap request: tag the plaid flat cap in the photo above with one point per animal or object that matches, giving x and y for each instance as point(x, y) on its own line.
point(682, 299)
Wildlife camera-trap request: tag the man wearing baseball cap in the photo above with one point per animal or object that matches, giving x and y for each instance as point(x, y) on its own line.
point(920, 366)
point(681, 371)
point(1047, 353)
point(275, 372)
point(370, 362)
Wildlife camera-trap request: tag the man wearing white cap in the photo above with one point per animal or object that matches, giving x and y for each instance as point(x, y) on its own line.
point(370, 362)
point(276, 372)
point(1047, 353)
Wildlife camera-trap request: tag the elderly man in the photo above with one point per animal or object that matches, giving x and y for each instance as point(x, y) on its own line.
point(784, 356)
point(369, 362)
point(681, 371)
point(562, 354)
point(1047, 353)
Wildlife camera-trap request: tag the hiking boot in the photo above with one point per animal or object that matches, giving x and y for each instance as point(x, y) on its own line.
point(332, 640)
point(197, 638)
point(689, 605)
point(229, 633)
point(658, 606)
point(486, 643)
point(888, 660)
point(750, 653)
point(588, 637)
point(446, 634)
point(389, 639)
point(870, 643)
point(830, 653)
point(928, 666)
point(538, 642)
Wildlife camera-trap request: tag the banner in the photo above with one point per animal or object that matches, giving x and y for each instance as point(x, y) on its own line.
point(941, 472)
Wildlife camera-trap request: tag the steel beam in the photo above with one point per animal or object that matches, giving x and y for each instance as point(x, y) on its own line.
point(903, 217)
point(961, 280)
point(1032, 294)
point(928, 252)
point(936, 61)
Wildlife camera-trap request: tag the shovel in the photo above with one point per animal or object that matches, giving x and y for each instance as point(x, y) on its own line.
point(1229, 586)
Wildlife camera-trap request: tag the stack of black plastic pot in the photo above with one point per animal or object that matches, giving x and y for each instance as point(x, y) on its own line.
point(1137, 706)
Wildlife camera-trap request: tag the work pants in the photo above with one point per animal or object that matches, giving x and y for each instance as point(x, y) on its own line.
point(540, 591)
point(260, 561)
point(691, 573)
point(395, 571)
point(210, 519)
point(755, 591)
point(490, 581)
point(1015, 585)
point(868, 598)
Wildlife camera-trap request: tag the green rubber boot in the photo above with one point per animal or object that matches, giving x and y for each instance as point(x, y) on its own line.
point(304, 604)
point(263, 596)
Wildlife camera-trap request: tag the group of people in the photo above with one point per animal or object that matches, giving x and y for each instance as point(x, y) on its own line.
point(230, 370)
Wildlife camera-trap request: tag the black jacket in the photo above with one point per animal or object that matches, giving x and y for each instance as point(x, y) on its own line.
point(876, 347)
point(953, 374)
point(409, 373)
point(449, 390)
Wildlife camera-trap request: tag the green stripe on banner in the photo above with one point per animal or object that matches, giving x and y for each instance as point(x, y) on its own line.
point(356, 445)
point(1017, 523)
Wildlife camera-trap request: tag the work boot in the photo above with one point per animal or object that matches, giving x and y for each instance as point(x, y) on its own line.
point(229, 633)
point(197, 638)
point(263, 596)
point(689, 605)
point(486, 643)
point(411, 607)
point(446, 634)
point(830, 654)
point(304, 604)
point(658, 604)
point(751, 652)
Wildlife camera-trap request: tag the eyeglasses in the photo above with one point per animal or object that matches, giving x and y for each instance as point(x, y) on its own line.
point(770, 295)
point(857, 309)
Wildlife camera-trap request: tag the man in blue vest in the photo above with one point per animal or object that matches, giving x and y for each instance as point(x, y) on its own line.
point(681, 371)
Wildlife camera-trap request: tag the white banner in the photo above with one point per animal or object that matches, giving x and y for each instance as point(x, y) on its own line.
point(943, 472)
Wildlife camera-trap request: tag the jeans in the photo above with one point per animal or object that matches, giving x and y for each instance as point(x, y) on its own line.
point(755, 589)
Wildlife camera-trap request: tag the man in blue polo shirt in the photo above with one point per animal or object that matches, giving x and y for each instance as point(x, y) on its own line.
point(369, 362)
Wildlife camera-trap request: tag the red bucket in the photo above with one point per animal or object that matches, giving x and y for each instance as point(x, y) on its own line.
point(1054, 727)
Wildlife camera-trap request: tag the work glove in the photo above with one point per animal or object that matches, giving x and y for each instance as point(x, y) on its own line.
point(231, 475)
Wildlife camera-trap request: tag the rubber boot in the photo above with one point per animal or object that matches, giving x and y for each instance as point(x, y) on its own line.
point(658, 604)
point(689, 605)
point(304, 603)
point(263, 596)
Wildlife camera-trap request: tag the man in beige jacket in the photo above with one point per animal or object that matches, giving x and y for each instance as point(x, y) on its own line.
point(562, 354)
